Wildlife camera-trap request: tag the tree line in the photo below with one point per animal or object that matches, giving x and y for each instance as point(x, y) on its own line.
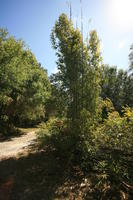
point(81, 81)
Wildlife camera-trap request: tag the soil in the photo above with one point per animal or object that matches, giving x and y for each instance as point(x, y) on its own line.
point(16, 145)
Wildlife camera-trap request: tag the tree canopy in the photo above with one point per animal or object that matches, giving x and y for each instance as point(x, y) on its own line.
point(24, 83)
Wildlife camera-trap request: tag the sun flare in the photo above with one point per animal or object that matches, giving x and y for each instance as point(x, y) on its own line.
point(121, 13)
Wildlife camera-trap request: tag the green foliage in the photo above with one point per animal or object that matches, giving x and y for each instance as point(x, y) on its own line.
point(8, 130)
point(116, 131)
point(68, 43)
point(117, 85)
point(78, 78)
point(57, 104)
point(131, 57)
point(106, 146)
point(56, 134)
point(92, 75)
point(114, 140)
point(94, 124)
point(25, 87)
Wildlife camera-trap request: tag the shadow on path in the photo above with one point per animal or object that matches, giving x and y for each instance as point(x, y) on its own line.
point(43, 175)
point(35, 176)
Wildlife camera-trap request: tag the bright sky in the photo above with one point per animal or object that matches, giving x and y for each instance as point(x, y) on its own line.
point(32, 20)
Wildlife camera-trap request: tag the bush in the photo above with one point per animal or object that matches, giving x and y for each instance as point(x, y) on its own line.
point(117, 131)
point(114, 139)
point(56, 134)
point(106, 146)
point(8, 130)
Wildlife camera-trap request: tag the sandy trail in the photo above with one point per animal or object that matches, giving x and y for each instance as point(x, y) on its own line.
point(16, 145)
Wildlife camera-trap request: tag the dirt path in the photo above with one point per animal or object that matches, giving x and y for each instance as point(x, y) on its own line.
point(16, 145)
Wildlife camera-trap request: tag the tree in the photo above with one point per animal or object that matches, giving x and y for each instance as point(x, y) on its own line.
point(93, 73)
point(129, 85)
point(131, 57)
point(115, 86)
point(67, 41)
point(24, 83)
point(79, 66)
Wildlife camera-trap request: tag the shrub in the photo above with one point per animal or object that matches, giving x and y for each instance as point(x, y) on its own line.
point(114, 138)
point(56, 134)
point(107, 146)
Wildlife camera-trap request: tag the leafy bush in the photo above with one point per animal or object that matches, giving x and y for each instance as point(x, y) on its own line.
point(114, 141)
point(106, 146)
point(117, 131)
point(56, 134)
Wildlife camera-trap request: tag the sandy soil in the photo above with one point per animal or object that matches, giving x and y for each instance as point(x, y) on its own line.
point(16, 145)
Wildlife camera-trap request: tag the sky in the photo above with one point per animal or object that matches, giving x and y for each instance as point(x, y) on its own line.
point(32, 21)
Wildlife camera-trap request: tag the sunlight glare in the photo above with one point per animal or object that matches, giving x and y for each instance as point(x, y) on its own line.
point(121, 13)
